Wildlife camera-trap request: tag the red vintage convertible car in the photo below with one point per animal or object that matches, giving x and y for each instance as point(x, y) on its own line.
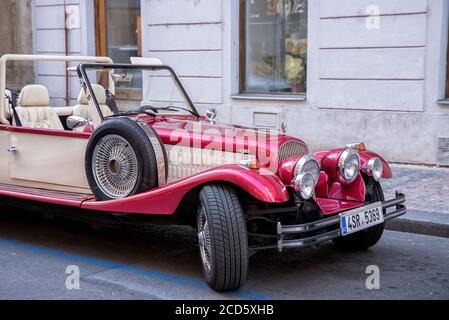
point(135, 149)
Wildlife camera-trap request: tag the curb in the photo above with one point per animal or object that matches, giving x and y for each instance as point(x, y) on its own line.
point(426, 223)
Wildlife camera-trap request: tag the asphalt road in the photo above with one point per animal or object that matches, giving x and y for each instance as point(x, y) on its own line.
point(163, 263)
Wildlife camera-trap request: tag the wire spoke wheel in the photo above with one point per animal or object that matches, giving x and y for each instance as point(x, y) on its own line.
point(115, 166)
point(123, 158)
point(204, 240)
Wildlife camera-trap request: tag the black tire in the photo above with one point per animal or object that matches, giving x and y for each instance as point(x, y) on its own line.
point(367, 238)
point(144, 158)
point(228, 239)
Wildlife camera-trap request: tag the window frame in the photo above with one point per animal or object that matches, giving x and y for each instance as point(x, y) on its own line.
point(446, 93)
point(101, 45)
point(101, 26)
point(241, 62)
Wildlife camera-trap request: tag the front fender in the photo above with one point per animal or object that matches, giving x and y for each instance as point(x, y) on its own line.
point(166, 199)
point(366, 155)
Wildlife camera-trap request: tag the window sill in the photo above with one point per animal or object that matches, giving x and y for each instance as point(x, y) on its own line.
point(247, 96)
point(443, 101)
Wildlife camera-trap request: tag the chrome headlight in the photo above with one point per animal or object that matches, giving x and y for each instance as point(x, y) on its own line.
point(349, 164)
point(306, 175)
point(375, 168)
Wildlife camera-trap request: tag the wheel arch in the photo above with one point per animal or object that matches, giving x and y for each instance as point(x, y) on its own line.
point(264, 188)
point(189, 204)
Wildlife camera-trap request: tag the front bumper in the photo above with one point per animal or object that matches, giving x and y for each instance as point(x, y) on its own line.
point(393, 208)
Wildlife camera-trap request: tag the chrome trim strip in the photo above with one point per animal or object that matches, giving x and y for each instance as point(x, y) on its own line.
point(309, 227)
point(310, 241)
point(400, 198)
point(158, 151)
point(399, 212)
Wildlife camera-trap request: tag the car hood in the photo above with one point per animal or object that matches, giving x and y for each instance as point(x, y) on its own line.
point(201, 133)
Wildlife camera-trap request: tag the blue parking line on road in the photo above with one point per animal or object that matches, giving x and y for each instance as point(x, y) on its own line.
point(150, 273)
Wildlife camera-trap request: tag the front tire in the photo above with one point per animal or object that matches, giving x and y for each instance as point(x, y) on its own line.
point(367, 238)
point(222, 237)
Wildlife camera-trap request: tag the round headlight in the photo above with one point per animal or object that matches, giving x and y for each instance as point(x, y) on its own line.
point(349, 164)
point(305, 185)
point(375, 168)
point(307, 164)
point(306, 175)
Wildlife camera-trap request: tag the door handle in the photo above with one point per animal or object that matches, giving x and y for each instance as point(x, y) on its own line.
point(12, 149)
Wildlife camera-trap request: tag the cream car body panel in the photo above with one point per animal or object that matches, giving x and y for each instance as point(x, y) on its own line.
point(48, 159)
point(4, 156)
point(186, 161)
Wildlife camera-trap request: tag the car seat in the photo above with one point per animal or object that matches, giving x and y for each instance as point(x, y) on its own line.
point(34, 109)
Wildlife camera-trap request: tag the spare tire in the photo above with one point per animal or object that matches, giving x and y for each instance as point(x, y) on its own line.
point(124, 158)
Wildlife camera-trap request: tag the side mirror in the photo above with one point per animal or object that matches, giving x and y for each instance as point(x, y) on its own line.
point(74, 122)
point(211, 115)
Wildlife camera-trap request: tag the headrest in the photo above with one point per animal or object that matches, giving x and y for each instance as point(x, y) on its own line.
point(34, 95)
point(99, 92)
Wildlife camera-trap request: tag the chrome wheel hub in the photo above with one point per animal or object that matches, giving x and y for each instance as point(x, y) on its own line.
point(115, 166)
point(204, 240)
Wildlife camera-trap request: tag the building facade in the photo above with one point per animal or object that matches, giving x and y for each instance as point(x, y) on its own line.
point(15, 35)
point(331, 71)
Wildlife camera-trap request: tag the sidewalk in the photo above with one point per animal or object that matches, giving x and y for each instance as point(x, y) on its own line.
point(427, 199)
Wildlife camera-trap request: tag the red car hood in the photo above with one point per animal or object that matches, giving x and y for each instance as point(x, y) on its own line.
point(201, 133)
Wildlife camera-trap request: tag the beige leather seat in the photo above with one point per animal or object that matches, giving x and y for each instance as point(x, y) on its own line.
point(34, 109)
point(82, 109)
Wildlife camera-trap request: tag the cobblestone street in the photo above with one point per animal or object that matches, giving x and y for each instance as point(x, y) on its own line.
point(426, 188)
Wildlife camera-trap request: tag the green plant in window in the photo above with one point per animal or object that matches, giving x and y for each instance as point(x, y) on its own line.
point(270, 61)
point(294, 69)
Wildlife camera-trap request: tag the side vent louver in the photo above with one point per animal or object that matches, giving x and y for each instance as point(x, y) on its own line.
point(443, 149)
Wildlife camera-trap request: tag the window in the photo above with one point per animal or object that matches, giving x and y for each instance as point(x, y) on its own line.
point(273, 47)
point(118, 33)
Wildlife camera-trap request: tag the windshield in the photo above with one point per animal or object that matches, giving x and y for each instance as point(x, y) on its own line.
point(121, 89)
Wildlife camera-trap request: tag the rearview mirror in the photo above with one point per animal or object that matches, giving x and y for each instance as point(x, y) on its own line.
point(74, 122)
point(211, 115)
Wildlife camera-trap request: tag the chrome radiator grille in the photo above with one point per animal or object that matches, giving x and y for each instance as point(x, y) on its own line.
point(292, 148)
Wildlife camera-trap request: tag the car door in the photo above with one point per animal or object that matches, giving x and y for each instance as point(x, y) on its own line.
point(4, 159)
point(50, 158)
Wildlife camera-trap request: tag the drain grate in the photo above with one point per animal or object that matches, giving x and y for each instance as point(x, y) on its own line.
point(443, 149)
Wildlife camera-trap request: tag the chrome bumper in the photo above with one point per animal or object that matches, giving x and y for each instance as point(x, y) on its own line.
point(332, 223)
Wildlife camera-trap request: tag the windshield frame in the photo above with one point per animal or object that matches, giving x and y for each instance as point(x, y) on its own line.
point(84, 67)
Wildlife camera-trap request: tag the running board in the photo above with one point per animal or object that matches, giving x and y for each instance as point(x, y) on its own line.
point(72, 199)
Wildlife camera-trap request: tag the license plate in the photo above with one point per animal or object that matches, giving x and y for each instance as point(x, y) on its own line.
point(361, 218)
